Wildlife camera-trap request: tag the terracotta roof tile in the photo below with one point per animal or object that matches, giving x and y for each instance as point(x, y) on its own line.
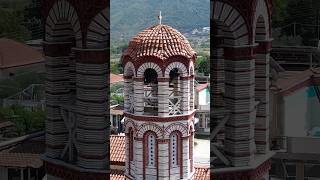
point(117, 110)
point(25, 154)
point(117, 175)
point(14, 53)
point(296, 78)
point(114, 78)
point(202, 173)
point(201, 87)
point(5, 124)
point(161, 41)
point(117, 149)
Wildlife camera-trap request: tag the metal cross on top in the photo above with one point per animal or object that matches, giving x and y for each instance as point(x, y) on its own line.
point(160, 18)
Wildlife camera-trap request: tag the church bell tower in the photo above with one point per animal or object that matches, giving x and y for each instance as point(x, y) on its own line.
point(159, 105)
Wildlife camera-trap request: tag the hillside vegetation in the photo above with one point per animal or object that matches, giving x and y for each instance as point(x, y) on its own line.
point(132, 16)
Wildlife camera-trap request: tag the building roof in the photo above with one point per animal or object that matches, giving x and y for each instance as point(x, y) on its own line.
point(117, 175)
point(23, 151)
point(201, 87)
point(293, 81)
point(116, 110)
point(161, 41)
point(202, 173)
point(13, 54)
point(117, 149)
point(5, 123)
point(114, 78)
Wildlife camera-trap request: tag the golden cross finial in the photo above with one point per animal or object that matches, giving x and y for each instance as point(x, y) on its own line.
point(160, 18)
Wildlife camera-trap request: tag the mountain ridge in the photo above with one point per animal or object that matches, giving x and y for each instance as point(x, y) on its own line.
point(133, 16)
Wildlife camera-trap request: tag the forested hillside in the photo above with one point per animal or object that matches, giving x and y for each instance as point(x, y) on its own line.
point(131, 16)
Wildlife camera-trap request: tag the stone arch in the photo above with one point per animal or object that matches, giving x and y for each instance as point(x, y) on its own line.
point(128, 68)
point(149, 127)
point(261, 29)
point(98, 31)
point(143, 67)
point(230, 17)
point(129, 124)
point(176, 127)
point(63, 15)
point(177, 65)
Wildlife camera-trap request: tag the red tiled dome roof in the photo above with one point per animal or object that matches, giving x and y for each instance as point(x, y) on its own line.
point(161, 41)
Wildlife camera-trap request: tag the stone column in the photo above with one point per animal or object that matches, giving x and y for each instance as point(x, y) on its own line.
point(127, 170)
point(163, 97)
point(128, 86)
point(163, 156)
point(185, 158)
point(138, 159)
point(92, 133)
point(192, 87)
point(240, 101)
point(138, 96)
point(262, 95)
point(185, 93)
point(57, 93)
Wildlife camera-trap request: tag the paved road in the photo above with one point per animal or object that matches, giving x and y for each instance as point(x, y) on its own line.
point(202, 151)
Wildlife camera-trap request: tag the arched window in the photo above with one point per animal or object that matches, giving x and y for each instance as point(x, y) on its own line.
point(175, 92)
point(151, 150)
point(174, 149)
point(150, 92)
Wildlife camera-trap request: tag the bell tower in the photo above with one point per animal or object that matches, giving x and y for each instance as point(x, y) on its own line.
point(159, 105)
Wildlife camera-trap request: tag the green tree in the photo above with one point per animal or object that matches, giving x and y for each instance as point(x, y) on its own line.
point(11, 25)
point(202, 63)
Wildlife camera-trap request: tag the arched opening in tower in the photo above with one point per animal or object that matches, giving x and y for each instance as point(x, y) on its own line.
point(150, 92)
point(61, 88)
point(175, 92)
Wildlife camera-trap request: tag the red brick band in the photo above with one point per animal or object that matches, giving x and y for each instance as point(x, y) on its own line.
point(89, 56)
point(57, 49)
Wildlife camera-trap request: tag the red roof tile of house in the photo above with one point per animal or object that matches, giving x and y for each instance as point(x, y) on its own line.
point(14, 54)
point(114, 78)
point(297, 80)
point(202, 173)
point(161, 41)
point(201, 87)
point(117, 110)
point(5, 124)
point(23, 154)
point(117, 175)
point(117, 149)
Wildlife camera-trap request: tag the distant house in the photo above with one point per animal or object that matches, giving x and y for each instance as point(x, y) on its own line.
point(20, 158)
point(295, 125)
point(16, 56)
point(116, 118)
point(202, 106)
